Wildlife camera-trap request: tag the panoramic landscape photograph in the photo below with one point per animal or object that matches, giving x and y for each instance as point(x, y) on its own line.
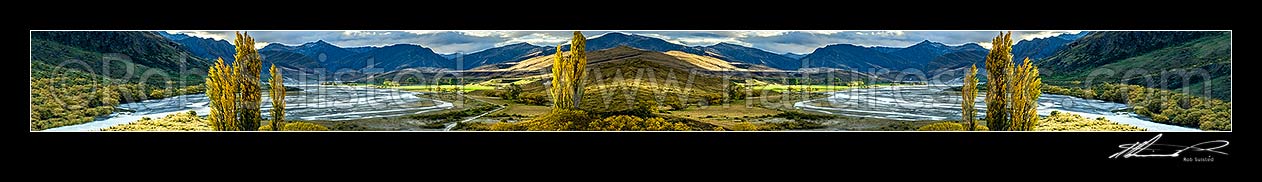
point(630, 80)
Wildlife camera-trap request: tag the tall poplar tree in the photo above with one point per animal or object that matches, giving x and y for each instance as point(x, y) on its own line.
point(998, 68)
point(969, 93)
point(234, 89)
point(567, 74)
point(1025, 95)
point(277, 93)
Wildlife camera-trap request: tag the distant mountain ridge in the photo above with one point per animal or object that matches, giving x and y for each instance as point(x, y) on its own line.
point(502, 54)
point(1039, 48)
point(395, 57)
point(749, 55)
point(318, 49)
point(869, 59)
point(320, 55)
point(206, 48)
point(930, 58)
point(725, 51)
point(793, 56)
point(615, 39)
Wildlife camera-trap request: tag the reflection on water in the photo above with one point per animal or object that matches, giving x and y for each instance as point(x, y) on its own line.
point(314, 102)
point(934, 102)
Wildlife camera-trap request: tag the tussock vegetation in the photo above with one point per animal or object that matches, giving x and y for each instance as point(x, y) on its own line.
point(633, 123)
point(579, 120)
point(295, 126)
point(185, 121)
point(942, 126)
point(624, 85)
point(951, 126)
point(799, 115)
point(776, 126)
point(1058, 121)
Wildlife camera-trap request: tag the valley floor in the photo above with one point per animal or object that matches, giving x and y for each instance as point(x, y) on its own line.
point(772, 112)
point(764, 113)
point(463, 107)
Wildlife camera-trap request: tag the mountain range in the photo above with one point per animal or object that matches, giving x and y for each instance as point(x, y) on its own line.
point(1040, 48)
point(793, 56)
point(320, 55)
point(749, 55)
point(872, 59)
point(205, 48)
point(394, 57)
point(508, 53)
point(319, 50)
point(1198, 61)
point(927, 55)
point(128, 55)
point(724, 51)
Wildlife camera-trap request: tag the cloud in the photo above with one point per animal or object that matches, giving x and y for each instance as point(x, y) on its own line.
point(987, 45)
point(1030, 35)
point(536, 39)
point(206, 34)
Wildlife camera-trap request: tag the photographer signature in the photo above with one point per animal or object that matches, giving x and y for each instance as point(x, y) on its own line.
point(1134, 149)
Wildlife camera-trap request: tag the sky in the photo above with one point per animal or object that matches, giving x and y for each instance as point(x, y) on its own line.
point(798, 42)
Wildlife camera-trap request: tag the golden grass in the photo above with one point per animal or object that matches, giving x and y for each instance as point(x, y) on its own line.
point(513, 108)
point(532, 64)
point(183, 121)
point(1060, 121)
point(705, 62)
point(726, 116)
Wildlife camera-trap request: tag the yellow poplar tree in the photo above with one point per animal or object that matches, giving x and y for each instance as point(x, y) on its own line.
point(1013, 93)
point(278, 98)
point(234, 90)
point(248, 65)
point(1025, 94)
point(558, 64)
point(969, 93)
point(567, 74)
point(998, 68)
point(221, 88)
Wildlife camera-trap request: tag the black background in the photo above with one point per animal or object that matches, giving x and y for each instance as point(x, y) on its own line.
point(743, 150)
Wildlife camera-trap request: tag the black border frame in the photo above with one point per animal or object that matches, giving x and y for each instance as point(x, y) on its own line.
point(775, 147)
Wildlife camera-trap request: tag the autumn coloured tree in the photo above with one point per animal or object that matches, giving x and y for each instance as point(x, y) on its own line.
point(1012, 93)
point(1025, 87)
point(277, 93)
point(998, 68)
point(221, 89)
point(249, 65)
point(234, 90)
point(567, 74)
point(969, 93)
